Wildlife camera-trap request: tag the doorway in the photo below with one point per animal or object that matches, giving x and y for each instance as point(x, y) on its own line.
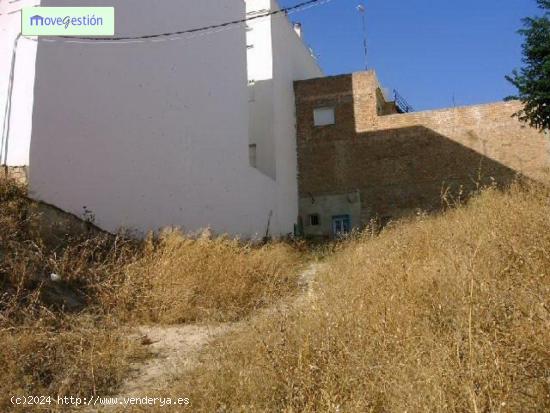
point(341, 225)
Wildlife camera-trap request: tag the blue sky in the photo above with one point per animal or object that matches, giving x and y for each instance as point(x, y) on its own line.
point(429, 50)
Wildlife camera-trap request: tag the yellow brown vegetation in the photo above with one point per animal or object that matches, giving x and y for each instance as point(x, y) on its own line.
point(444, 314)
point(70, 336)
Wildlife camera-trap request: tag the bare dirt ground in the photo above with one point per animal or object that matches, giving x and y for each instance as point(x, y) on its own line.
point(173, 349)
point(176, 349)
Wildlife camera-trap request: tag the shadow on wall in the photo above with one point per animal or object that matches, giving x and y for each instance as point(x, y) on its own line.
point(398, 171)
point(260, 129)
point(413, 168)
point(402, 163)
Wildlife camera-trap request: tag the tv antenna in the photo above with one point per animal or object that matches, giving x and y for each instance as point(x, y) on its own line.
point(361, 8)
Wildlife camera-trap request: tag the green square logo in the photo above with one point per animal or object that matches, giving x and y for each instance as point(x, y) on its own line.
point(68, 21)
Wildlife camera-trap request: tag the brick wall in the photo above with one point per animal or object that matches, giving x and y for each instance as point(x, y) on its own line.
point(403, 162)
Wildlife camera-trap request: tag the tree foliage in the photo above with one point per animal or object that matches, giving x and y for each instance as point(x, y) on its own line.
point(533, 80)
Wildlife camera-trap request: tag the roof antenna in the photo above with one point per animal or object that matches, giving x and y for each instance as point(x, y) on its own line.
point(362, 9)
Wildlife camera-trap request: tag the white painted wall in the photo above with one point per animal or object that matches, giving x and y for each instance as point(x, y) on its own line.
point(260, 57)
point(292, 61)
point(278, 58)
point(14, 147)
point(155, 134)
point(260, 76)
point(150, 134)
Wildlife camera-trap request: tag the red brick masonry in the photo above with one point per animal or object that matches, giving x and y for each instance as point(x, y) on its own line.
point(403, 162)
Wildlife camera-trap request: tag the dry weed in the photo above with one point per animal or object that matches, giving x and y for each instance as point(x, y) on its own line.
point(442, 314)
point(180, 279)
point(68, 336)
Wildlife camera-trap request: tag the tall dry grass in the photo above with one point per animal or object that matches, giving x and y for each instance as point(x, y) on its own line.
point(70, 337)
point(440, 314)
point(54, 340)
point(179, 279)
point(65, 355)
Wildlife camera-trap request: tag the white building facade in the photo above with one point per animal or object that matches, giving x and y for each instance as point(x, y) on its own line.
point(16, 84)
point(276, 57)
point(170, 132)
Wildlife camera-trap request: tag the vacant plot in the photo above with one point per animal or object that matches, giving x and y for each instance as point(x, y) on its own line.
point(448, 313)
point(179, 279)
point(67, 308)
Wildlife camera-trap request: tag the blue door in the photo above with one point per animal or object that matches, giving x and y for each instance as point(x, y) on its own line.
point(341, 225)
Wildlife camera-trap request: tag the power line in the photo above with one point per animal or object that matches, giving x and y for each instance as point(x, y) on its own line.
point(201, 31)
point(98, 40)
point(285, 10)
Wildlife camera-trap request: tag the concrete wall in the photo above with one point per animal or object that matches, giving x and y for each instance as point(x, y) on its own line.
point(146, 135)
point(326, 207)
point(404, 162)
point(14, 146)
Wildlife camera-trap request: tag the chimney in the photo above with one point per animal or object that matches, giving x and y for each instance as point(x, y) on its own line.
point(298, 29)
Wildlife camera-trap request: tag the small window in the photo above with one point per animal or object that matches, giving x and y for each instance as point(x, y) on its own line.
point(252, 155)
point(314, 220)
point(323, 116)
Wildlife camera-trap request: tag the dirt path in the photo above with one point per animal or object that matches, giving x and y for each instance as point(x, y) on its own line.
point(173, 348)
point(176, 349)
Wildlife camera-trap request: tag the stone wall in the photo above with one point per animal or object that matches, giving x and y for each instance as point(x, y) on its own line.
point(401, 163)
point(18, 173)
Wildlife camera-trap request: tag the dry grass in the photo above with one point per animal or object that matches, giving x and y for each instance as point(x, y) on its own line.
point(442, 314)
point(69, 337)
point(51, 342)
point(68, 356)
point(179, 279)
